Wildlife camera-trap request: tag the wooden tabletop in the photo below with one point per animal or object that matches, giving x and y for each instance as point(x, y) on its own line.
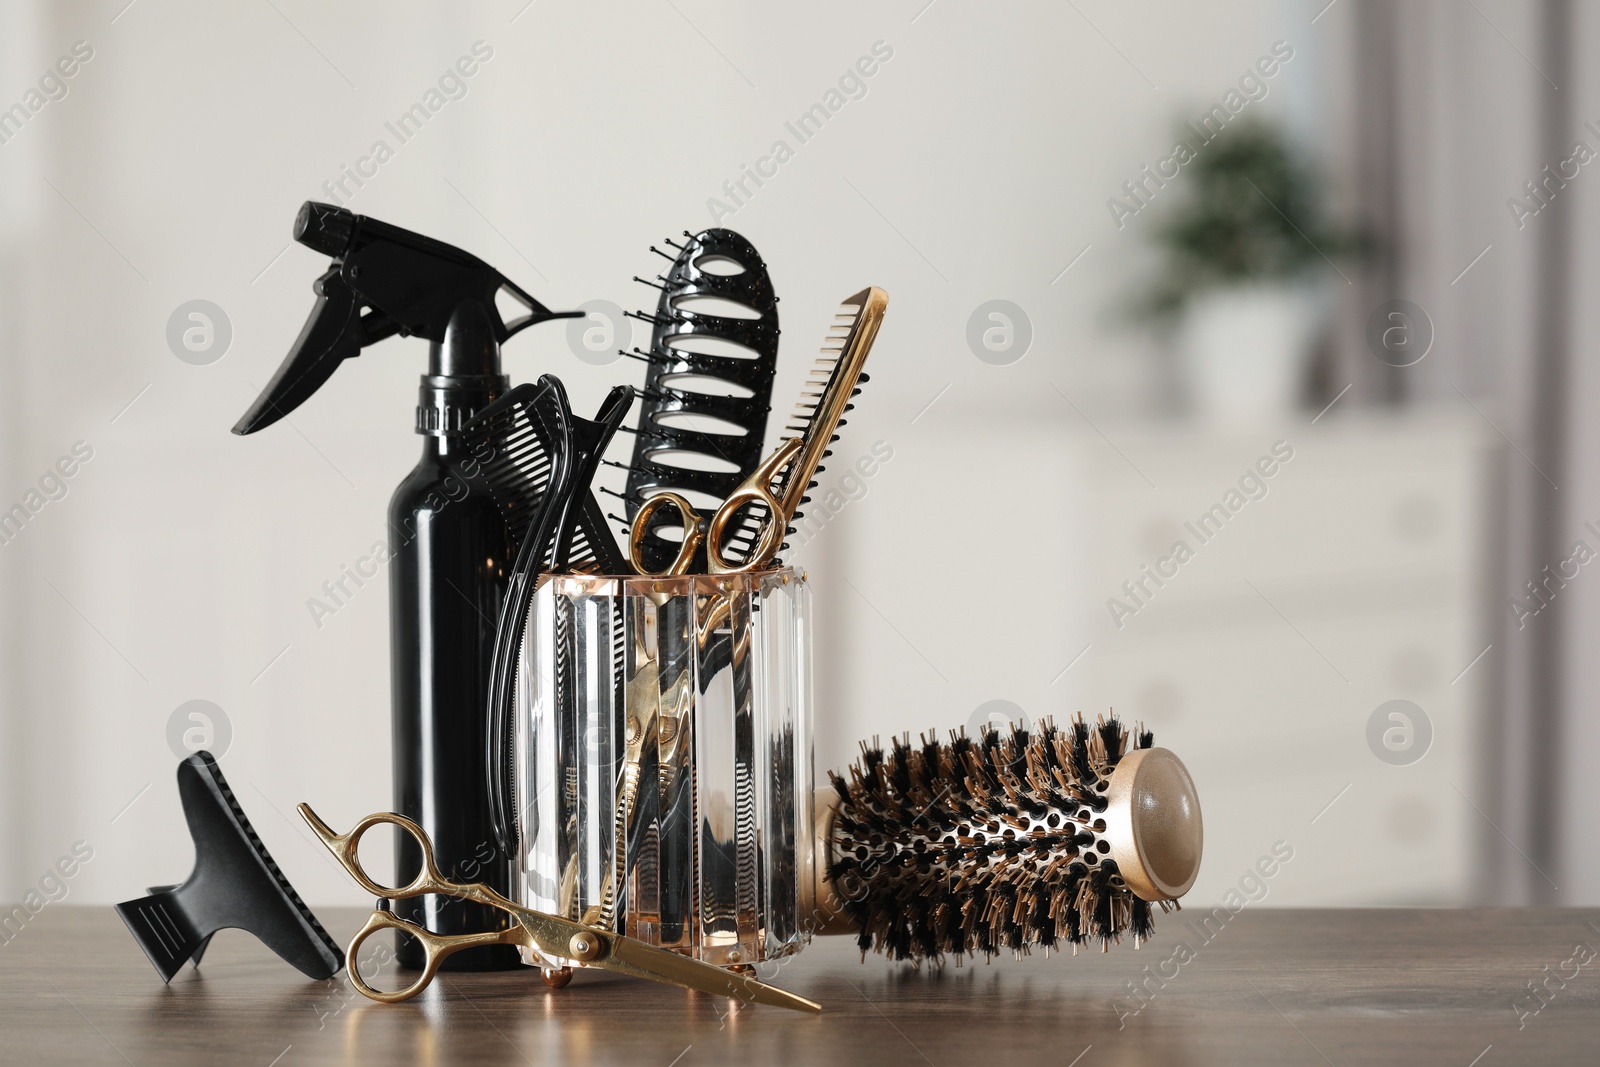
point(1278, 987)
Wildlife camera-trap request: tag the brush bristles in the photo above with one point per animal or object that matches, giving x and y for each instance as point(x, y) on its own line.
point(984, 845)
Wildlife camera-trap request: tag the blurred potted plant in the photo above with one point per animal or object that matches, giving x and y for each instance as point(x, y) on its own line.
point(1247, 251)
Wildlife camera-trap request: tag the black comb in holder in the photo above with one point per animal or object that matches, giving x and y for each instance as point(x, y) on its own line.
point(234, 883)
point(538, 459)
point(679, 350)
point(583, 543)
point(509, 448)
point(521, 448)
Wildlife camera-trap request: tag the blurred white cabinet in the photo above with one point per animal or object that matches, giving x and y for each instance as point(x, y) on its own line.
point(1354, 575)
point(978, 565)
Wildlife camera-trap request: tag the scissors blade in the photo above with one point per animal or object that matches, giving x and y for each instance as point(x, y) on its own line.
point(628, 956)
point(625, 955)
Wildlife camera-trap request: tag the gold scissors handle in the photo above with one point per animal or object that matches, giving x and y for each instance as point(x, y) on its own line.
point(756, 489)
point(346, 849)
point(435, 948)
point(693, 533)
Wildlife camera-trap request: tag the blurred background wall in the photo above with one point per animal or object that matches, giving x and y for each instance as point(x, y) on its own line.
point(1365, 657)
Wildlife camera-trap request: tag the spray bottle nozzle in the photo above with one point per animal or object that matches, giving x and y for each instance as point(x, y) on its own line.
point(384, 280)
point(326, 228)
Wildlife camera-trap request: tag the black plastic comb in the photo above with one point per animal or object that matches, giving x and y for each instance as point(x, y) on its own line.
point(667, 418)
point(234, 883)
point(509, 453)
point(538, 459)
point(523, 445)
point(579, 545)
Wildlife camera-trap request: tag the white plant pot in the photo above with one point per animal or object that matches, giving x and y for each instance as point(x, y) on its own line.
point(1245, 351)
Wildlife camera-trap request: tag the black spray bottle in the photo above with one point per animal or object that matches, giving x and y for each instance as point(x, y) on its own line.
point(449, 545)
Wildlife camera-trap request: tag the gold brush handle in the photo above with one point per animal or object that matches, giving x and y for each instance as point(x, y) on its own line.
point(822, 899)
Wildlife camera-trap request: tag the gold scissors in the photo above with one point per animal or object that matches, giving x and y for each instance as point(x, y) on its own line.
point(756, 489)
point(554, 937)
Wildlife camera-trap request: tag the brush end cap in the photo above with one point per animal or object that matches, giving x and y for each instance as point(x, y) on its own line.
point(1153, 824)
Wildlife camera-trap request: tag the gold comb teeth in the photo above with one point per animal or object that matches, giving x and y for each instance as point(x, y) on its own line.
point(826, 395)
point(824, 399)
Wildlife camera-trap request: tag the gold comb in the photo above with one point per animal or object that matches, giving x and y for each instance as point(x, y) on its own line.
point(824, 399)
point(826, 395)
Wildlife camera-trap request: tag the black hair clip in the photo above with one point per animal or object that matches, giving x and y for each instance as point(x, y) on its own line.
point(234, 883)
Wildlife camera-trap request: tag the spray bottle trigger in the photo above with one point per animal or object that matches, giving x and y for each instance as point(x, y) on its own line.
point(332, 333)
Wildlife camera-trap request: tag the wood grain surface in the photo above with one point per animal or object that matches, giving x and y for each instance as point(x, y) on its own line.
point(1279, 987)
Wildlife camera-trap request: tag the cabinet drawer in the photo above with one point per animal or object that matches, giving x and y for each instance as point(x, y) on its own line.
point(1305, 527)
point(1397, 835)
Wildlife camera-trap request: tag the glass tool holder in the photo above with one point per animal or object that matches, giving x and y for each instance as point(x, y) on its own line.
point(662, 760)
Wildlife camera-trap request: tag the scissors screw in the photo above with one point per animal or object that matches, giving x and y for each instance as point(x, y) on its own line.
point(584, 947)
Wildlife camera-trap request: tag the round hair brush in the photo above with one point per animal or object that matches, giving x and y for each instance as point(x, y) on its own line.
point(1006, 841)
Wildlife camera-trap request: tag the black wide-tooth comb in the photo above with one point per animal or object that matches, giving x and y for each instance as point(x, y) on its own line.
point(234, 883)
point(674, 419)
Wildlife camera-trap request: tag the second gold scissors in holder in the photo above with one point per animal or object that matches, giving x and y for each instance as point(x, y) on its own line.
point(714, 533)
